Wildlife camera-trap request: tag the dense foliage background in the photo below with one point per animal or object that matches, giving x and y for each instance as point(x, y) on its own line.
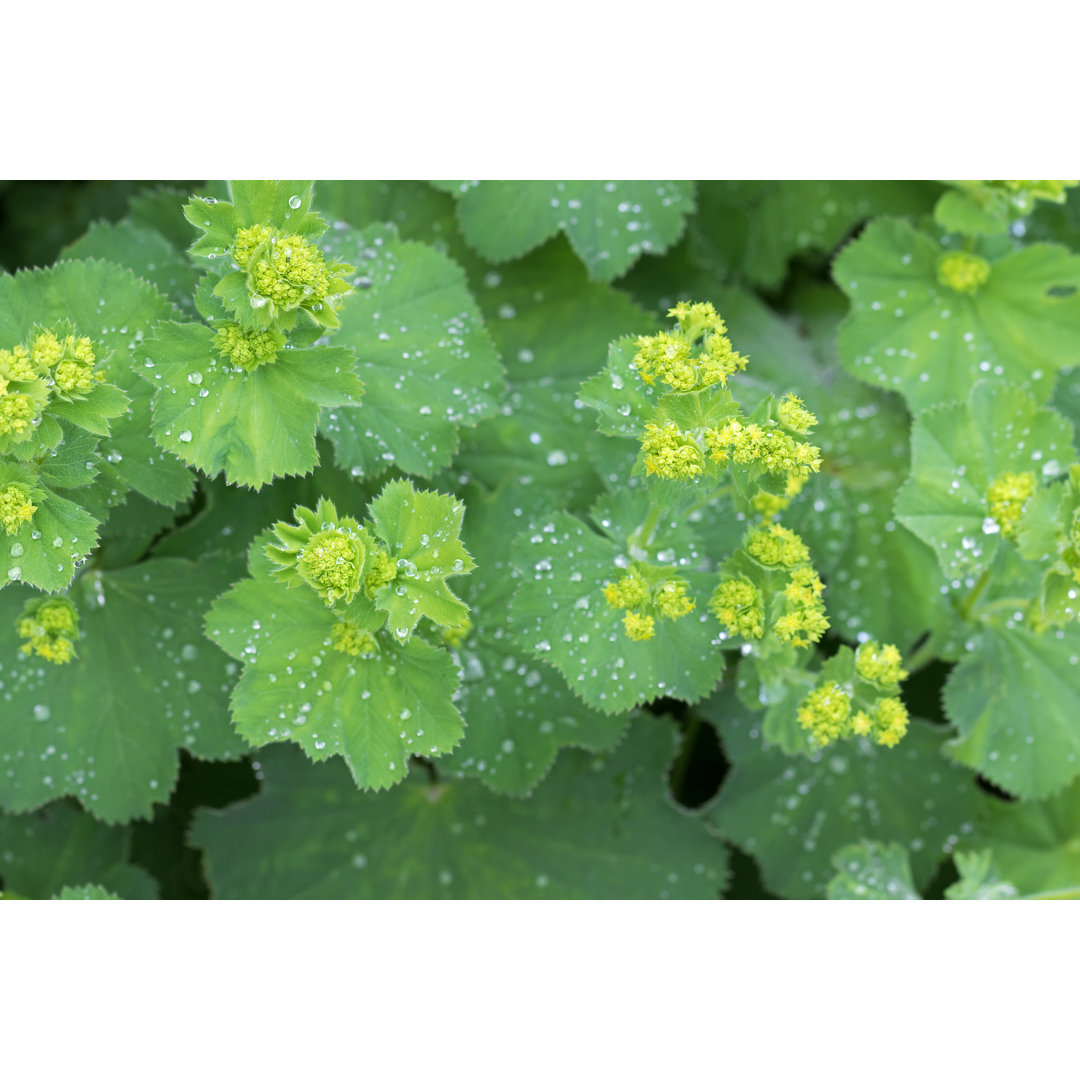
point(550, 794)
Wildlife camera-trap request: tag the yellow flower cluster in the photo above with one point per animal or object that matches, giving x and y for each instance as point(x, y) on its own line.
point(330, 562)
point(804, 621)
point(773, 545)
point(53, 364)
point(454, 636)
point(774, 449)
point(348, 638)
point(51, 628)
point(671, 453)
point(795, 415)
point(16, 507)
point(680, 359)
point(826, 713)
point(248, 349)
point(879, 664)
point(963, 272)
point(644, 604)
point(284, 268)
point(1007, 496)
point(739, 605)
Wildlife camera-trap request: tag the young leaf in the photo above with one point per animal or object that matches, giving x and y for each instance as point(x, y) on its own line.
point(427, 362)
point(912, 331)
point(870, 871)
point(610, 224)
point(1013, 700)
point(85, 892)
point(581, 835)
point(106, 725)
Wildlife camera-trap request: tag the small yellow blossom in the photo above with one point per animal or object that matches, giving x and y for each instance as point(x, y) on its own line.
point(671, 599)
point(963, 272)
point(16, 365)
point(671, 357)
point(628, 592)
point(1007, 496)
point(639, 627)
point(50, 628)
point(773, 545)
point(890, 721)
point(825, 713)
point(738, 604)
point(861, 723)
point(879, 663)
point(774, 449)
point(795, 416)
point(455, 636)
point(670, 453)
point(381, 570)
point(16, 507)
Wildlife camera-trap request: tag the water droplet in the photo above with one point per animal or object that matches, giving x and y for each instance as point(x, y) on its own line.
point(184, 436)
point(294, 202)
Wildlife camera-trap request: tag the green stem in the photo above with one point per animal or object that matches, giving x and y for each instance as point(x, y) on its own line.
point(1071, 893)
point(967, 605)
point(643, 535)
point(922, 656)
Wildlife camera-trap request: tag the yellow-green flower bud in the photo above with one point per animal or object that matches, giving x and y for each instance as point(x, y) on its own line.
point(639, 627)
point(963, 272)
point(248, 349)
point(455, 636)
point(628, 592)
point(826, 713)
point(17, 414)
point(16, 507)
point(795, 416)
point(890, 721)
point(670, 453)
point(739, 605)
point(773, 545)
point(381, 570)
point(16, 365)
point(879, 663)
point(347, 638)
point(671, 599)
point(330, 563)
point(50, 628)
point(1007, 496)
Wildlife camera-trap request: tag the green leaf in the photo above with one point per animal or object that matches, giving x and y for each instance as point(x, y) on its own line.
point(609, 223)
point(375, 711)
point(872, 871)
point(1036, 845)
point(141, 249)
point(252, 425)
point(41, 853)
point(757, 228)
point(518, 712)
point(421, 529)
point(597, 828)
point(957, 451)
point(907, 331)
point(793, 813)
point(540, 436)
point(1013, 701)
point(85, 892)
point(94, 411)
point(106, 726)
point(979, 879)
point(560, 614)
point(427, 361)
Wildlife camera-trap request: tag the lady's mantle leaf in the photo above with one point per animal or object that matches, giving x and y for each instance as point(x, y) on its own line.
point(518, 712)
point(421, 529)
point(597, 828)
point(909, 332)
point(252, 425)
point(560, 613)
point(1014, 701)
point(793, 813)
point(375, 710)
point(427, 362)
point(609, 223)
point(61, 846)
point(871, 871)
point(958, 451)
point(1036, 845)
point(106, 726)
